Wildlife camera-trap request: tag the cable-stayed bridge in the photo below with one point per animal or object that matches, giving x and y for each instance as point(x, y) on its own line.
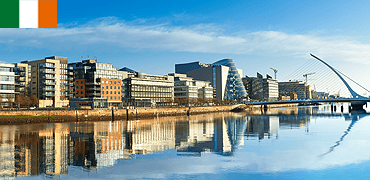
point(357, 101)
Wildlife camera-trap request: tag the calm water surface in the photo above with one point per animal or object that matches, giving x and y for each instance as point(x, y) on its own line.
point(288, 143)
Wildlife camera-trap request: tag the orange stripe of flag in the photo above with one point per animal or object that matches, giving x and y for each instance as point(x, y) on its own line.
point(48, 13)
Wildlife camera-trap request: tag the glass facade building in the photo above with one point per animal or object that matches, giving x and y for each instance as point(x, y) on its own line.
point(234, 83)
point(223, 75)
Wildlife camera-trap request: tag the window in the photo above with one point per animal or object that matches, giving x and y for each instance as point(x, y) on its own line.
point(114, 87)
point(76, 82)
point(107, 87)
point(82, 92)
point(102, 96)
point(76, 87)
point(82, 82)
point(111, 98)
point(107, 92)
point(102, 87)
point(115, 92)
point(119, 92)
point(110, 87)
point(115, 82)
point(102, 92)
point(76, 92)
point(119, 82)
point(110, 82)
point(82, 87)
point(119, 98)
point(119, 87)
point(110, 92)
point(115, 98)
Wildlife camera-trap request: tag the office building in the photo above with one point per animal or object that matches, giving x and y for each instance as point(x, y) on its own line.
point(298, 88)
point(7, 81)
point(260, 88)
point(51, 81)
point(187, 90)
point(140, 89)
point(225, 78)
point(98, 80)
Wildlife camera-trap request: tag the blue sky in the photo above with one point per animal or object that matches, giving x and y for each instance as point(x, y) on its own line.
point(152, 36)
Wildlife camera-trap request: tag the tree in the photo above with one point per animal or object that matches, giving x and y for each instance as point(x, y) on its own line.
point(34, 101)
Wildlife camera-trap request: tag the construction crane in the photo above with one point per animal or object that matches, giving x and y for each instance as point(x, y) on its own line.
point(305, 75)
point(275, 71)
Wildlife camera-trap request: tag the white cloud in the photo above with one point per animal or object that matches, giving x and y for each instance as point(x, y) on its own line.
point(105, 33)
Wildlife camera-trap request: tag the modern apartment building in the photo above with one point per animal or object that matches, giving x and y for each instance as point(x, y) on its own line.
point(260, 88)
point(98, 80)
point(302, 90)
point(51, 81)
point(225, 78)
point(7, 80)
point(140, 89)
point(188, 90)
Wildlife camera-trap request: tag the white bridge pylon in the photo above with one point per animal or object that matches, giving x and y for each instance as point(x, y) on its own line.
point(353, 93)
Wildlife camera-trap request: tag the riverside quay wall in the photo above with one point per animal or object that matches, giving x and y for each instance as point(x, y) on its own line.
point(42, 116)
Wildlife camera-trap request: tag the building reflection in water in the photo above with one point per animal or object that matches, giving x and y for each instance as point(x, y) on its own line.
point(49, 149)
point(33, 152)
point(215, 134)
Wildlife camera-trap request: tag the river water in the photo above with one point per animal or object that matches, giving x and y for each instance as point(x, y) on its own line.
point(286, 143)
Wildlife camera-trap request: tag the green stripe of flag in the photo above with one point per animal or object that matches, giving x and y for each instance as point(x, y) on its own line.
point(9, 13)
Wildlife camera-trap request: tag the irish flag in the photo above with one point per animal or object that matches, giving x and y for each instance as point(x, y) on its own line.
point(28, 13)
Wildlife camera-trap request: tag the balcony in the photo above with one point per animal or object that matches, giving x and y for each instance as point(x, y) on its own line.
point(92, 83)
point(49, 83)
point(48, 77)
point(49, 94)
point(17, 69)
point(93, 88)
point(93, 94)
point(48, 66)
point(20, 74)
point(48, 72)
point(48, 89)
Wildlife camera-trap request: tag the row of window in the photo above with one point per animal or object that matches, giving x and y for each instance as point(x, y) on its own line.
point(150, 94)
point(7, 78)
point(111, 87)
point(81, 92)
point(111, 98)
point(6, 87)
point(111, 82)
point(151, 88)
point(115, 92)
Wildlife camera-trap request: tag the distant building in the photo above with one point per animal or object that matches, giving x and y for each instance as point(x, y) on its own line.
point(7, 80)
point(260, 88)
point(322, 95)
point(140, 89)
point(225, 78)
point(188, 90)
point(51, 81)
point(295, 87)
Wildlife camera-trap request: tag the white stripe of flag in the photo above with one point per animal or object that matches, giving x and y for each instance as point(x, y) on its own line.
point(28, 13)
